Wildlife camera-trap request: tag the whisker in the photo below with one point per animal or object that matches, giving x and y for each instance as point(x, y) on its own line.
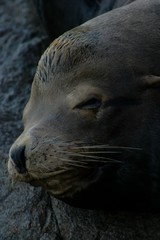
point(101, 152)
point(45, 167)
point(72, 163)
point(46, 174)
point(107, 160)
point(86, 161)
point(98, 152)
point(92, 157)
point(105, 146)
point(70, 160)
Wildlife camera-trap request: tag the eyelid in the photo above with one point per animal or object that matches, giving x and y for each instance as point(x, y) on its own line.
point(89, 104)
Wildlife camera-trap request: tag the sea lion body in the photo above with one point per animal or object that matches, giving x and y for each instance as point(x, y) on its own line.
point(92, 123)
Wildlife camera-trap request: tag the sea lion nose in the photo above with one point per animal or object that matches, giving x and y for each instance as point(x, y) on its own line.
point(17, 155)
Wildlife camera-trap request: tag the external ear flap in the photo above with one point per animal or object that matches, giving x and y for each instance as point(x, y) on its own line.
point(151, 81)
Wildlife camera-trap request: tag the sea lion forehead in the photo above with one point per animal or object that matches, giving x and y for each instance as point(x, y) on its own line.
point(66, 52)
point(115, 41)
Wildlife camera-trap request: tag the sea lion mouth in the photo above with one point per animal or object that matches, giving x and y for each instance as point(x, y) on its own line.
point(64, 183)
point(69, 168)
point(67, 187)
point(78, 169)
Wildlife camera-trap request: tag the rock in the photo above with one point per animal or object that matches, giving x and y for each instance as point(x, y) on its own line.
point(27, 212)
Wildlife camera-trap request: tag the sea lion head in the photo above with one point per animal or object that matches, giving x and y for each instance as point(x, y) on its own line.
point(92, 123)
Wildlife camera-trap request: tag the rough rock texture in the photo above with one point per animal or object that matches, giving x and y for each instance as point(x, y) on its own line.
point(27, 212)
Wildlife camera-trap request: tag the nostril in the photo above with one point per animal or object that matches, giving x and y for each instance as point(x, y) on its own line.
point(18, 157)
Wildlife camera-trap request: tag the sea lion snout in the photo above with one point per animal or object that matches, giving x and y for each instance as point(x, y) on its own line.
point(17, 164)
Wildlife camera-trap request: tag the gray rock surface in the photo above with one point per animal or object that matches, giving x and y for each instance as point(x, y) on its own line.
point(27, 212)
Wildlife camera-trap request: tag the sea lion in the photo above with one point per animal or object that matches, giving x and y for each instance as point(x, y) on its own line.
point(92, 124)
